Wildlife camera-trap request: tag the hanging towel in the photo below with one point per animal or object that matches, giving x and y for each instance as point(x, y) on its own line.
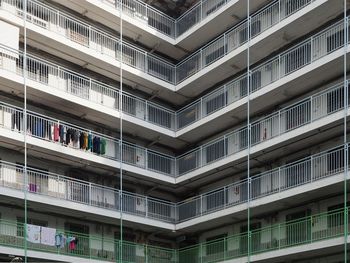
point(33, 233)
point(103, 146)
point(48, 236)
point(89, 142)
point(86, 137)
point(81, 141)
point(56, 132)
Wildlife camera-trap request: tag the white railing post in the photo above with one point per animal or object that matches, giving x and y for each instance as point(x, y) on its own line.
point(311, 108)
point(311, 168)
point(201, 204)
point(279, 179)
point(146, 164)
point(90, 193)
point(146, 206)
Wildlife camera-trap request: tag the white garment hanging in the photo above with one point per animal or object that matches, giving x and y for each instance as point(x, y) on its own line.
point(33, 233)
point(48, 236)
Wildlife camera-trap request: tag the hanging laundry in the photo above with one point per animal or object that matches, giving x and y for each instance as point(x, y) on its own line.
point(48, 236)
point(81, 141)
point(89, 142)
point(56, 132)
point(96, 145)
point(75, 138)
point(69, 134)
point(60, 240)
point(86, 137)
point(103, 146)
point(33, 233)
point(71, 242)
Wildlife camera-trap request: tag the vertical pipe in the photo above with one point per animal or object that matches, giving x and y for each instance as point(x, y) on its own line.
point(121, 134)
point(25, 131)
point(249, 128)
point(345, 131)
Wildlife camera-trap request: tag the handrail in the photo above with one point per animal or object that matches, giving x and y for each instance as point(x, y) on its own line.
point(85, 140)
point(305, 230)
point(106, 44)
point(288, 176)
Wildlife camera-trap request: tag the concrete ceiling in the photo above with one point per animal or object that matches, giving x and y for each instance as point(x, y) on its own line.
point(173, 8)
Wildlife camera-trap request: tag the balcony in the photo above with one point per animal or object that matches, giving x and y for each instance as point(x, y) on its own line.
point(85, 44)
point(73, 143)
point(304, 176)
point(227, 54)
point(313, 52)
point(319, 110)
point(315, 232)
point(318, 231)
point(279, 127)
point(51, 83)
point(279, 72)
point(59, 187)
point(143, 67)
point(89, 247)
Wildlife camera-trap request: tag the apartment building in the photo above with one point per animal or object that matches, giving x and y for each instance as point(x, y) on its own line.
point(217, 134)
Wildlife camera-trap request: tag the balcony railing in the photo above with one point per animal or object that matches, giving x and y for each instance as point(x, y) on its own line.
point(293, 59)
point(78, 191)
point(237, 36)
point(88, 246)
point(309, 51)
point(281, 122)
point(71, 82)
point(308, 110)
point(108, 45)
point(292, 175)
point(289, 176)
point(88, 36)
point(298, 232)
point(83, 140)
point(303, 231)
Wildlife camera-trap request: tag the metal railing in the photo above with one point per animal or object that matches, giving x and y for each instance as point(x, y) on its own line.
point(106, 44)
point(88, 36)
point(295, 58)
point(299, 114)
point(309, 51)
point(78, 191)
point(71, 82)
point(63, 133)
point(307, 230)
point(292, 175)
point(89, 246)
point(237, 36)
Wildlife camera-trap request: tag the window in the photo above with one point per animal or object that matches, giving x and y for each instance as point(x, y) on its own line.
point(255, 241)
point(292, 6)
point(297, 173)
point(217, 102)
point(335, 100)
point(214, 55)
point(216, 150)
point(298, 228)
point(297, 115)
point(335, 216)
point(216, 199)
point(297, 58)
point(187, 162)
point(216, 245)
point(255, 29)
